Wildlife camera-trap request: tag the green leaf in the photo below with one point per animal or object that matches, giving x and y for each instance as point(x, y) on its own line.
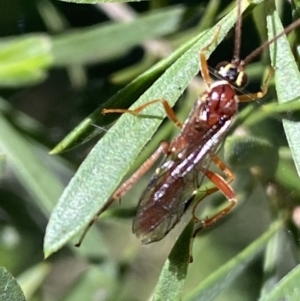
point(287, 289)
point(286, 72)
point(24, 59)
point(273, 253)
point(100, 1)
point(249, 151)
point(9, 287)
point(32, 278)
point(90, 282)
point(217, 282)
point(113, 39)
point(173, 274)
point(2, 164)
point(123, 99)
point(109, 161)
point(287, 110)
point(288, 178)
point(32, 172)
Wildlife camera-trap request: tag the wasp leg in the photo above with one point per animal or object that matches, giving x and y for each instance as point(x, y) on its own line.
point(223, 167)
point(203, 61)
point(169, 111)
point(226, 189)
point(221, 185)
point(225, 170)
point(260, 94)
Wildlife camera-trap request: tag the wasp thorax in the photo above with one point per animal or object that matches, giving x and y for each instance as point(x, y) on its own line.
point(221, 102)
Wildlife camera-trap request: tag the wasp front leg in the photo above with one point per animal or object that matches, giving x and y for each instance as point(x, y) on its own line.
point(168, 109)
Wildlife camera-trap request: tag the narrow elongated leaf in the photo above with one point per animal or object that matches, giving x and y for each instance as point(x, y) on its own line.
point(172, 277)
point(286, 110)
point(2, 164)
point(273, 252)
point(123, 99)
point(112, 39)
point(32, 278)
point(24, 59)
point(100, 1)
point(287, 289)
point(111, 158)
point(212, 286)
point(40, 182)
point(286, 72)
point(9, 287)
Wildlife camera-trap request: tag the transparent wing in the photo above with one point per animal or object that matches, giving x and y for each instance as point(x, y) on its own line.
point(165, 200)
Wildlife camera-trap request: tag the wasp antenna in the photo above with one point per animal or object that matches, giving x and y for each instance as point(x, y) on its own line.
point(257, 51)
point(237, 41)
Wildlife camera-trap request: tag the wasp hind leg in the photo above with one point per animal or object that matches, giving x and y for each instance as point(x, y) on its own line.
point(222, 185)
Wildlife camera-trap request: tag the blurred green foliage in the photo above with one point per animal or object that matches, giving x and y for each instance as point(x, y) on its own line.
point(63, 60)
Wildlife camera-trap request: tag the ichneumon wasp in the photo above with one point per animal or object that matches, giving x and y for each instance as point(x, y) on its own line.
point(176, 181)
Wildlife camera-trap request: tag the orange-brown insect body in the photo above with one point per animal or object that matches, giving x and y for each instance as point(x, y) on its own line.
point(173, 186)
point(169, 192)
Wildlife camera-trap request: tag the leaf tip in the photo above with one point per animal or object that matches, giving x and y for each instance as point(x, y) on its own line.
point(47, 253)
point(52, 152)
point(50, 248)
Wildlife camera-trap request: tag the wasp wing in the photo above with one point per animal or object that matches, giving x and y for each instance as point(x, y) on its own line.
point(165, 200)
